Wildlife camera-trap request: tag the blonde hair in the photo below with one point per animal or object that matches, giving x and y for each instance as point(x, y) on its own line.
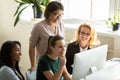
point(93, 35)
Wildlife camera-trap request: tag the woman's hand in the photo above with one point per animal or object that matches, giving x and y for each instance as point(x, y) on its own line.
point(62, 60)
point(31, 69)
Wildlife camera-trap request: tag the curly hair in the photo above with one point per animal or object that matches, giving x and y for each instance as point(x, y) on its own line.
point(93, 35)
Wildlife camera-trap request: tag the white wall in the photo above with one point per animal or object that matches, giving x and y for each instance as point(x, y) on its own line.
point(8, 32)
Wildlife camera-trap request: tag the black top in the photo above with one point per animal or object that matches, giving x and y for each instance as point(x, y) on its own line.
point(72, 49)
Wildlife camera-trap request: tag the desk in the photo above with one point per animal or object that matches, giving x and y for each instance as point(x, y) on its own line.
point(112, 38)
point(110, 72)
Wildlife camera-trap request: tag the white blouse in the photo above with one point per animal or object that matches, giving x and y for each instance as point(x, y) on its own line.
point(85, 49)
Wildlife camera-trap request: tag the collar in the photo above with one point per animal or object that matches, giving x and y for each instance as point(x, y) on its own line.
point(85, 49)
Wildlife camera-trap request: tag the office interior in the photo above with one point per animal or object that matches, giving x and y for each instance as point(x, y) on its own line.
point(21, 32)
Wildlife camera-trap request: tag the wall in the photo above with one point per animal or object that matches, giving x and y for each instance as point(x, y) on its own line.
point(8, 32)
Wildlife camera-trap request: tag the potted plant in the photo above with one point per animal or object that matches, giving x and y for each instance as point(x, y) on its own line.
point(38, 5)
point(114, 21)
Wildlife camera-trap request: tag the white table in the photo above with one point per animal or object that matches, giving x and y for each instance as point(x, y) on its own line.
point(110, 72)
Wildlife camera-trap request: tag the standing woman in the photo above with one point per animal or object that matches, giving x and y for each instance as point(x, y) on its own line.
point(85, 38)
point(52, 65)
point(50, 26)
point(9, 61)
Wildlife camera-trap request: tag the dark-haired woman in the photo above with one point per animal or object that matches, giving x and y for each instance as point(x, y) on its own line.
point(9, 61)
point(51, 66)
point(50, 26)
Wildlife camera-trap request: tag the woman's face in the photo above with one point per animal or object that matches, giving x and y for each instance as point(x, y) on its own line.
point(16, 53)
point(59, 48)
point(84, 35)
point(56, 16)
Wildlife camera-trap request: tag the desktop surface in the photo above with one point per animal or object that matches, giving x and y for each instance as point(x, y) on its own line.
point(110, 72)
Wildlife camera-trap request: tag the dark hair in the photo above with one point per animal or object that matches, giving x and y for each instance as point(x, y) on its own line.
point(5, 56)
point(51, 7)
point(52, 42)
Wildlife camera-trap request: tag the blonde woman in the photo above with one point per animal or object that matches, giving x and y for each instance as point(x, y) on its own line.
point(85, 38)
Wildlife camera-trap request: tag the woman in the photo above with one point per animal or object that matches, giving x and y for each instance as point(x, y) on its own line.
point(50, 26)
point(85, 39)
point(9, 61)
point(51, 66)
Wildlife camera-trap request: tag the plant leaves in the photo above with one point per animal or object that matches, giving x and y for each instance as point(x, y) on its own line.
point(27, 1)
point(38, 3)
point(45, 2)
point(18, 8)
point(18, 15)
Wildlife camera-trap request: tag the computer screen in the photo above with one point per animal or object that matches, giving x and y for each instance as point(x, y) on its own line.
point(83, 62)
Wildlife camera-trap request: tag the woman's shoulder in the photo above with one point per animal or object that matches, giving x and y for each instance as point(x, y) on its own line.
point(40, 24)
point(74, 43)
point(7, 73)
point(43, 58)
point(6, 69)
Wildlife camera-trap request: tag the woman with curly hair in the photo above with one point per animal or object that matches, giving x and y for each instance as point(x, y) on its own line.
point(85, 38)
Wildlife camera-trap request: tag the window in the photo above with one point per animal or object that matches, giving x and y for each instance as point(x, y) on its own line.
point(117, 6)
point(84, 9)
point(87, 9)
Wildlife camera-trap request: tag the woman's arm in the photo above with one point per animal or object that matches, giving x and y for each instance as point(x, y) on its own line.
point(50, 76)
point(8, 74)
point(66, 75)
point(32, 57)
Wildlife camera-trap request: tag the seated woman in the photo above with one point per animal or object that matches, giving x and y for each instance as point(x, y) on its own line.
point(85, 39)
point(51, 66)
point(9, 61)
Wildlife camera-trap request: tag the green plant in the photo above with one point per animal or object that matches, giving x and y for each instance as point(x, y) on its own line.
point(23, 4)
point(113, 20)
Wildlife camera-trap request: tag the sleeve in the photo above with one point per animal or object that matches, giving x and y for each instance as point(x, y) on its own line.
point(34, 35)
point(68, 52)
point(44, 65)
point(69, 59)
point(9, 74)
